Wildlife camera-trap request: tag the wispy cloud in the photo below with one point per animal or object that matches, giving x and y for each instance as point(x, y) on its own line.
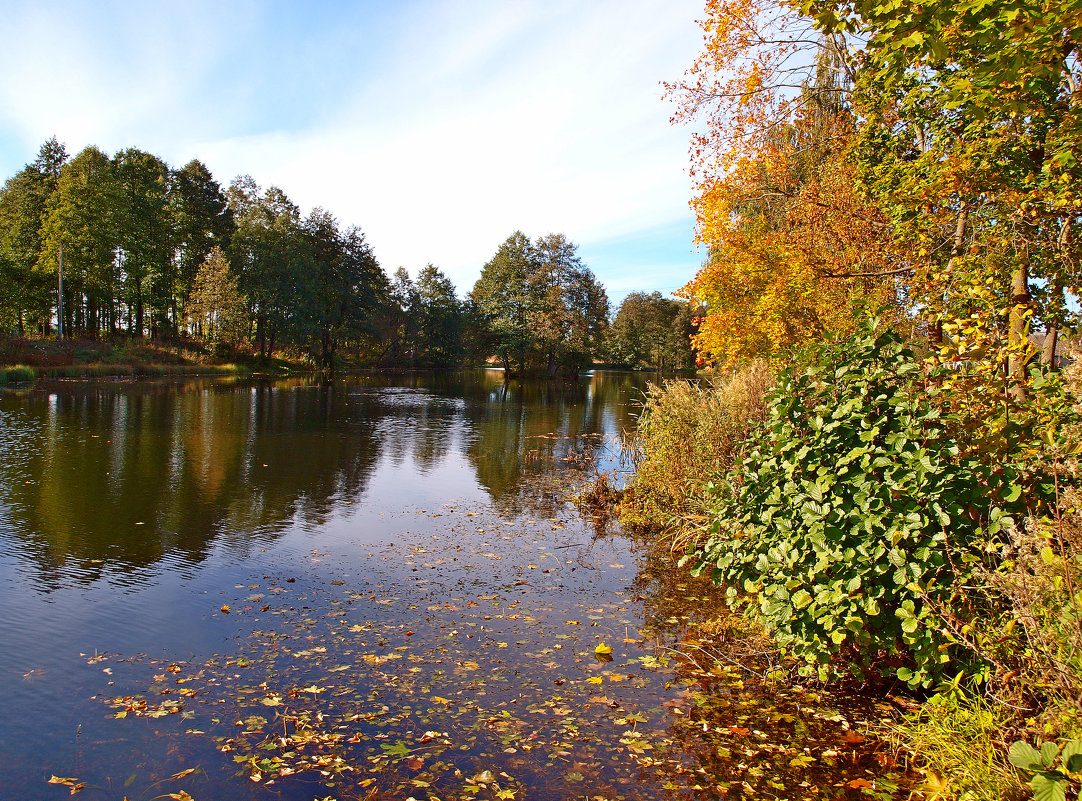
point(438, 127)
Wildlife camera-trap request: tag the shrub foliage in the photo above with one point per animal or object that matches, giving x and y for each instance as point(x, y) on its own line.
point(855, 519)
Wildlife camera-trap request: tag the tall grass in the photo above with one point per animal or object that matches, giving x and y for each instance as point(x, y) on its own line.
point(139, 370)
point(689, 435)
point(955, 741)
point(9, 375)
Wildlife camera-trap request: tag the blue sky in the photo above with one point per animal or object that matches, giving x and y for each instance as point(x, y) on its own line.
point(437, 127)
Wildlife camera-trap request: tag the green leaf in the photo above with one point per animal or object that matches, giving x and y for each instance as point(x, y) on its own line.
point(1071, 756)
point(1025, 756)
point(1048, 754)
point(1050, 786)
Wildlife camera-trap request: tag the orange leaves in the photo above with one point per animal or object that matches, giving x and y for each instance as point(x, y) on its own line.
point(793, 255)
point(794, 250)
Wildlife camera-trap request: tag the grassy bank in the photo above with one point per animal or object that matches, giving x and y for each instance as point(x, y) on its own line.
point(24, 359)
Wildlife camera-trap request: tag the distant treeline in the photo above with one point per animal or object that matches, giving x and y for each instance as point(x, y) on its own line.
point(152, 251)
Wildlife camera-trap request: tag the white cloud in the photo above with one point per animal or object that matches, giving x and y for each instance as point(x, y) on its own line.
point(439, 130)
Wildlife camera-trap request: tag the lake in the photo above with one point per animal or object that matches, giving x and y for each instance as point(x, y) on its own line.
point(368, 588)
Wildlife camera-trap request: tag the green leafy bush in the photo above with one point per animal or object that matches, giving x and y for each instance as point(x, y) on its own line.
point(855, 519)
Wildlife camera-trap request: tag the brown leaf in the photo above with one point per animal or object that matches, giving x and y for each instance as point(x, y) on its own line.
point(853, 738)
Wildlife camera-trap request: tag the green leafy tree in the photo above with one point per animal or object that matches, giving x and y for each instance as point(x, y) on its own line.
point(570, 309)
point(145, 237)
point(273, 258)
point(506, 299)
point(82, 215)
point(541, 305)
point(23, 204)
point(348, 279)
point(403, 313)
point(650, 329)
point(202, 220)
point(440, 318)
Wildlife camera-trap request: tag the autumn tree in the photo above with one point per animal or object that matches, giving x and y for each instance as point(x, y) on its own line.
point(972, 147)
point(794, 250)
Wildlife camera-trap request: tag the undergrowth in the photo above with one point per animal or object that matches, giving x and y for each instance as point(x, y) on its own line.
point(9, 375)
point(975, 600)
point(689, 435)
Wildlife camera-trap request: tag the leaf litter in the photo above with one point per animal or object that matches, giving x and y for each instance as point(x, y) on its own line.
point(485, 663)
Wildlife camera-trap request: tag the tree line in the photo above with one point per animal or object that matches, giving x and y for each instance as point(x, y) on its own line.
point(99, 246)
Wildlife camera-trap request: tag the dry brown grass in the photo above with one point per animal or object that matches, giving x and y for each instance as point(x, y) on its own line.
point(689, 435)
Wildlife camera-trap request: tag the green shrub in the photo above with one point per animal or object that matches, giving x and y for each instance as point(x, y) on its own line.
point(855, 521)
point(688, 435)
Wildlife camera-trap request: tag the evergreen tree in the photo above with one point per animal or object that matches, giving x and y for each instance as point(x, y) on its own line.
point(217, 311)
point(202, 220)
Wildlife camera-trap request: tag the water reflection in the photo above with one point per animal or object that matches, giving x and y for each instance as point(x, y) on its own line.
point(108, 479)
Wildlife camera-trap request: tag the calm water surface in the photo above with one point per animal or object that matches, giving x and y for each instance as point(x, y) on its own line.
point(366, 589)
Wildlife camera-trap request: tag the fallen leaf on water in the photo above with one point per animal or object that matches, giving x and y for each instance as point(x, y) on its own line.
point(602, 649)
point(853, 738)
point(73, 785)
point(182, 773)
point(225, 608)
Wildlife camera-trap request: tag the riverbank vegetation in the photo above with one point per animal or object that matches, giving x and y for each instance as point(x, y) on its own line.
point(890, 198)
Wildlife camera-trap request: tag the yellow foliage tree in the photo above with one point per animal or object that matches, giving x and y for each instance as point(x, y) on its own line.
point(795, 252)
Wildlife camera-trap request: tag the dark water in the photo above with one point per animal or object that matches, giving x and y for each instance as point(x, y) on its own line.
point(368, 589)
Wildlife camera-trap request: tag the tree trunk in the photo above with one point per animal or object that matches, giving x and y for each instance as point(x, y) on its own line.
point(1018, 341)
point(1048, 352)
